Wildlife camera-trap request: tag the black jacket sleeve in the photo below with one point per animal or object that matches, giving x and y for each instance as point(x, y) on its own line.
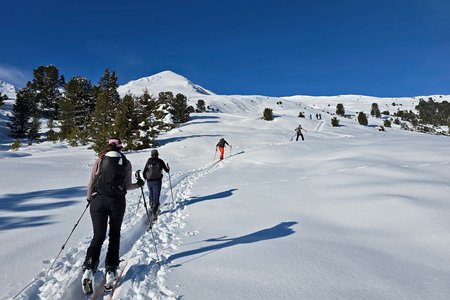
point(145, 170)
point(164, 166)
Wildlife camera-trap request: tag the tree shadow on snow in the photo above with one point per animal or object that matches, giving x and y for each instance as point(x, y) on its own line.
point(8, 223)
point(278, 231)
point(27, 201)
point(193, 200)
point(205, 122)
point(162, 142)
point(193, 118)
point(224, 194)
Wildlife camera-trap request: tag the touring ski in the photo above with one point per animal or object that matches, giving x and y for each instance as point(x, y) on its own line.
point(111, 287)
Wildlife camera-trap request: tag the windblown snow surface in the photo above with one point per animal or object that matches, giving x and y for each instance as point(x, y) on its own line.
point(349, 213)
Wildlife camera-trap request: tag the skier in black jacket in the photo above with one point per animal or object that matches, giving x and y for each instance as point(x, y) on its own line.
point(153, 174)
point(110, 179)
point(221, 146)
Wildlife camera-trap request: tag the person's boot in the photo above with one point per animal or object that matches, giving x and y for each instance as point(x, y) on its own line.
point(87, 280)
point(111, 276)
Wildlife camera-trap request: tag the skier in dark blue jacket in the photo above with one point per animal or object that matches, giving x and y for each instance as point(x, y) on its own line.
point(153, 174)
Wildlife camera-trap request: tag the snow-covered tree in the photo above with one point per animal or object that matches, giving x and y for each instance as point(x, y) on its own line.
point(149, 124)
point(23, 110)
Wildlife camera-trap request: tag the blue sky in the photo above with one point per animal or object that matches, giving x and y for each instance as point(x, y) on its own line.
point(275, 48)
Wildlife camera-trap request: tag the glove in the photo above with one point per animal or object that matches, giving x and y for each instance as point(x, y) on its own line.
point(88, 200)
point(140, 182)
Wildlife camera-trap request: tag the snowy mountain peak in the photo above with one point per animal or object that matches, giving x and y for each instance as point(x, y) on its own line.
point(162, 82)
point(7, 89)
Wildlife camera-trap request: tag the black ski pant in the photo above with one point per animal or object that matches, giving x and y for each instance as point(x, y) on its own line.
point(104, 208)
point(300, 134)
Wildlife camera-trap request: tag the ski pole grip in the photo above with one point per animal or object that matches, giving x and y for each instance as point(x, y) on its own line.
point(136, 175)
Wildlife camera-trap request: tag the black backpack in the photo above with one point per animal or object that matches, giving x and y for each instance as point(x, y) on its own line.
point(153, 170)
point(110, 180)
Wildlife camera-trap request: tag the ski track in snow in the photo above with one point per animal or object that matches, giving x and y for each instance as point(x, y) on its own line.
point(144, 277)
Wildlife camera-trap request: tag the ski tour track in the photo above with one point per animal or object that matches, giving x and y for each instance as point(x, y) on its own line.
point(144, 274)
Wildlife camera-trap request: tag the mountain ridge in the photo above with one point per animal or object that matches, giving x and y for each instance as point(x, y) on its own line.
point(162, 82)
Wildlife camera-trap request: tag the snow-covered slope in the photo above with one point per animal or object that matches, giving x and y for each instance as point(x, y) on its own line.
point(350, 213)
point(356, 103)
point(7, 89)
point(170, 81)
point(163, 82)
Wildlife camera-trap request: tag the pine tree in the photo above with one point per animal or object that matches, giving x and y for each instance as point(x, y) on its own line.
point(107, 101)
point(33, 133)
point(200, 106)
point(268, 114)
point(165, 98)
point(340, 111)
point(126, 125)
point(362, 119)
point(375, 111)
point(148, 122)
point(179, 109)
point(108, 83)
point(22, 111)
point(76, 106)
point(335, 122)
point(52, 135)
point(46, 85)
point(102, 122)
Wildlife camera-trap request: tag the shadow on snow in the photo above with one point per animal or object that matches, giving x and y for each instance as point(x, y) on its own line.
point(193, 200)
point(8, 223)
point(278, 231)
point(219, 195)
point(162, 142)
point(21, 202)
point(193, 118)
point(27, 202)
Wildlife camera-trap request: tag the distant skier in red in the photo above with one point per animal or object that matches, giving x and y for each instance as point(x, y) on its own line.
point(221, 146)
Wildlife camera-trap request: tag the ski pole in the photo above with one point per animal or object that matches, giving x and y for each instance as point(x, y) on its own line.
point(143, 196)
point(151, 229)
point(231, 148)
point(139, 202)
point(62, 248)
point(170, 184)
point(215, 152)
point(64, 245)
point(154, 246)
point(136, 175)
